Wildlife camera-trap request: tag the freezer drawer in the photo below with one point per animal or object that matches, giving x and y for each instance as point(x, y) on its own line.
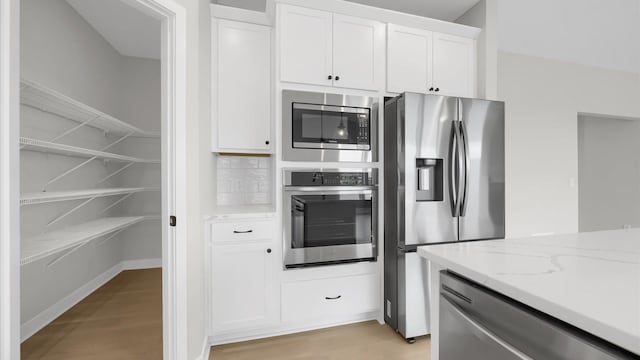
point(477, 323)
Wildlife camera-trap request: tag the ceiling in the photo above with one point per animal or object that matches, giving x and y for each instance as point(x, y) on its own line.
point(127, 29)
point(447, 10)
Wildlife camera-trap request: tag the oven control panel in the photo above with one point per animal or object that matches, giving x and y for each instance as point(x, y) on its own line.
point(344, 179)
point(317, 178)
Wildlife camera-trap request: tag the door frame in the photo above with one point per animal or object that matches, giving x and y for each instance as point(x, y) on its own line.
point(173, 16)
point(9, 180)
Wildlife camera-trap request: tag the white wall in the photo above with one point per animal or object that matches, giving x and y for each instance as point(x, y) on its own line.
point(609, 173)
point(139, 92)
point(555, 60)
point(591, 32)
point(483, 16)
point(543, 99)
point(140, 101)
point(62, 51)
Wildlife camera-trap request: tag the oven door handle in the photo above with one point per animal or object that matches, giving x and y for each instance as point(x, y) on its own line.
point(320, 189)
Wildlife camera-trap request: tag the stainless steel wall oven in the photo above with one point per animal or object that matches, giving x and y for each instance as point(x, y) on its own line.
point(331, 216)
point(328, 127)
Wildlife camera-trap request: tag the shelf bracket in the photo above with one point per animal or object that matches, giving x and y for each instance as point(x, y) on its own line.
point(54, 179)
point(115, 173)
point(67, 253)
point(115, 203)
point(74, 129)
point(74, 209)
point(109, 238)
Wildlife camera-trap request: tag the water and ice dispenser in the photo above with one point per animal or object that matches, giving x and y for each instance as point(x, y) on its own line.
point(429, 180)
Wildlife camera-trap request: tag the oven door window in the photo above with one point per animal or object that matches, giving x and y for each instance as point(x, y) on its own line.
point(330, 220)
point(312, 127)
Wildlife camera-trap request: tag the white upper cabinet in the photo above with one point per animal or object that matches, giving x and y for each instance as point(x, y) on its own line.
point(358, 51)
point(241, 87)
point(306, 46)
point(321, 48)
point(430, 62)
point(409, 59)
point(454, 65)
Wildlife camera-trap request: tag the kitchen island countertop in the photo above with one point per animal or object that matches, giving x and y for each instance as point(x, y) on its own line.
point(589, 280)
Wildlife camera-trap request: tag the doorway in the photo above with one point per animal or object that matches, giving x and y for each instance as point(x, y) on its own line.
point(609, 173)
point(173, 143)
point(90, 182)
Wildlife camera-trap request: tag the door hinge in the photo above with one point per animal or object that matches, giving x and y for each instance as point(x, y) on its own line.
point(172, 220)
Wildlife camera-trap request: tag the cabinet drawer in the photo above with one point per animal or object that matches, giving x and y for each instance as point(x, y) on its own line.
point(330, 297)
point(242, 230)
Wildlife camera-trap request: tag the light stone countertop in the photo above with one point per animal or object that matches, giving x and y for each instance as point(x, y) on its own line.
point(589, 280)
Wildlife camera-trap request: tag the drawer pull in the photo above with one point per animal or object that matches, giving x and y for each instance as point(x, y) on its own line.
point(333, 298)
point(242, 232)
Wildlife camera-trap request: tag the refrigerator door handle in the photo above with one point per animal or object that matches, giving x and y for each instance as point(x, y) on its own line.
point(454, 168)
point(466, 161)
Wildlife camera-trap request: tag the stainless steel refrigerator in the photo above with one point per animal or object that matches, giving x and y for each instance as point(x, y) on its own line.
point(443, 182)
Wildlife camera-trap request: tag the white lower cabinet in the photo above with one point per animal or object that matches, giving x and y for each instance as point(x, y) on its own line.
point(326, 298)
point(244, 291)
point(252, 296)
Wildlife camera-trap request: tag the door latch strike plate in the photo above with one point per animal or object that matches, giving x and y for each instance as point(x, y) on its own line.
point(172, 220)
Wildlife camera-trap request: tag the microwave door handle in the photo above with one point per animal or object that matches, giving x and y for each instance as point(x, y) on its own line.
point(466, 162)
point(453, 176)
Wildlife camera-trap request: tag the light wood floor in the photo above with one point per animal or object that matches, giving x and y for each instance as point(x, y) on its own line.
point(121, 320)
point(366, 341)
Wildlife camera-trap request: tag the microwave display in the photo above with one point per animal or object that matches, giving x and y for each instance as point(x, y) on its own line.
point(330, 127)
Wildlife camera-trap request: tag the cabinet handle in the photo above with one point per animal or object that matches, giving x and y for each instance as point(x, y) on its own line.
point(329, 77)
point(242, 232)
point(430, 89)
point(437, 89)
point(337, 78)
point(268, 251)
point(332, 298)
point(266, 142)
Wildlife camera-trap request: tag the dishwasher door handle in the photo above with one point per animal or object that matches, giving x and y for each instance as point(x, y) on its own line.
point(482, 330)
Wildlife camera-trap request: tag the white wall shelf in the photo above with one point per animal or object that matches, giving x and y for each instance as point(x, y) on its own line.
point(55, 196)
point(48, 100)
point(43, 245)
point(68, 150)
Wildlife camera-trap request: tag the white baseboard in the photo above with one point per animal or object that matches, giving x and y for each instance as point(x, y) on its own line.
point(206, 348)
point(41, 320)
point(231, 337)
point(53, 312)
point(141, 264)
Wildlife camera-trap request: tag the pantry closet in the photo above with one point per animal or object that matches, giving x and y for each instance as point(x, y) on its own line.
point(90, 154)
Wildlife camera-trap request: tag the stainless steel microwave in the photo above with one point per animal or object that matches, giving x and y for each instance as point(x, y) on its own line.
point(329, 127)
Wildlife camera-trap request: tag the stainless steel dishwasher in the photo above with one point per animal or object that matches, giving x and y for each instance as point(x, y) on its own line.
point(478, 323)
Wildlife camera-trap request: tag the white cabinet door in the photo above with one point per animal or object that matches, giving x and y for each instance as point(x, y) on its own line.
point(244, 291)
point(454, 65)
point(358, 52)
point(242, 87)
point(409, 54)
point(305, 45)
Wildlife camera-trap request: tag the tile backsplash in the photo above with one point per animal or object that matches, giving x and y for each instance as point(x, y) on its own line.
point(244, 180)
